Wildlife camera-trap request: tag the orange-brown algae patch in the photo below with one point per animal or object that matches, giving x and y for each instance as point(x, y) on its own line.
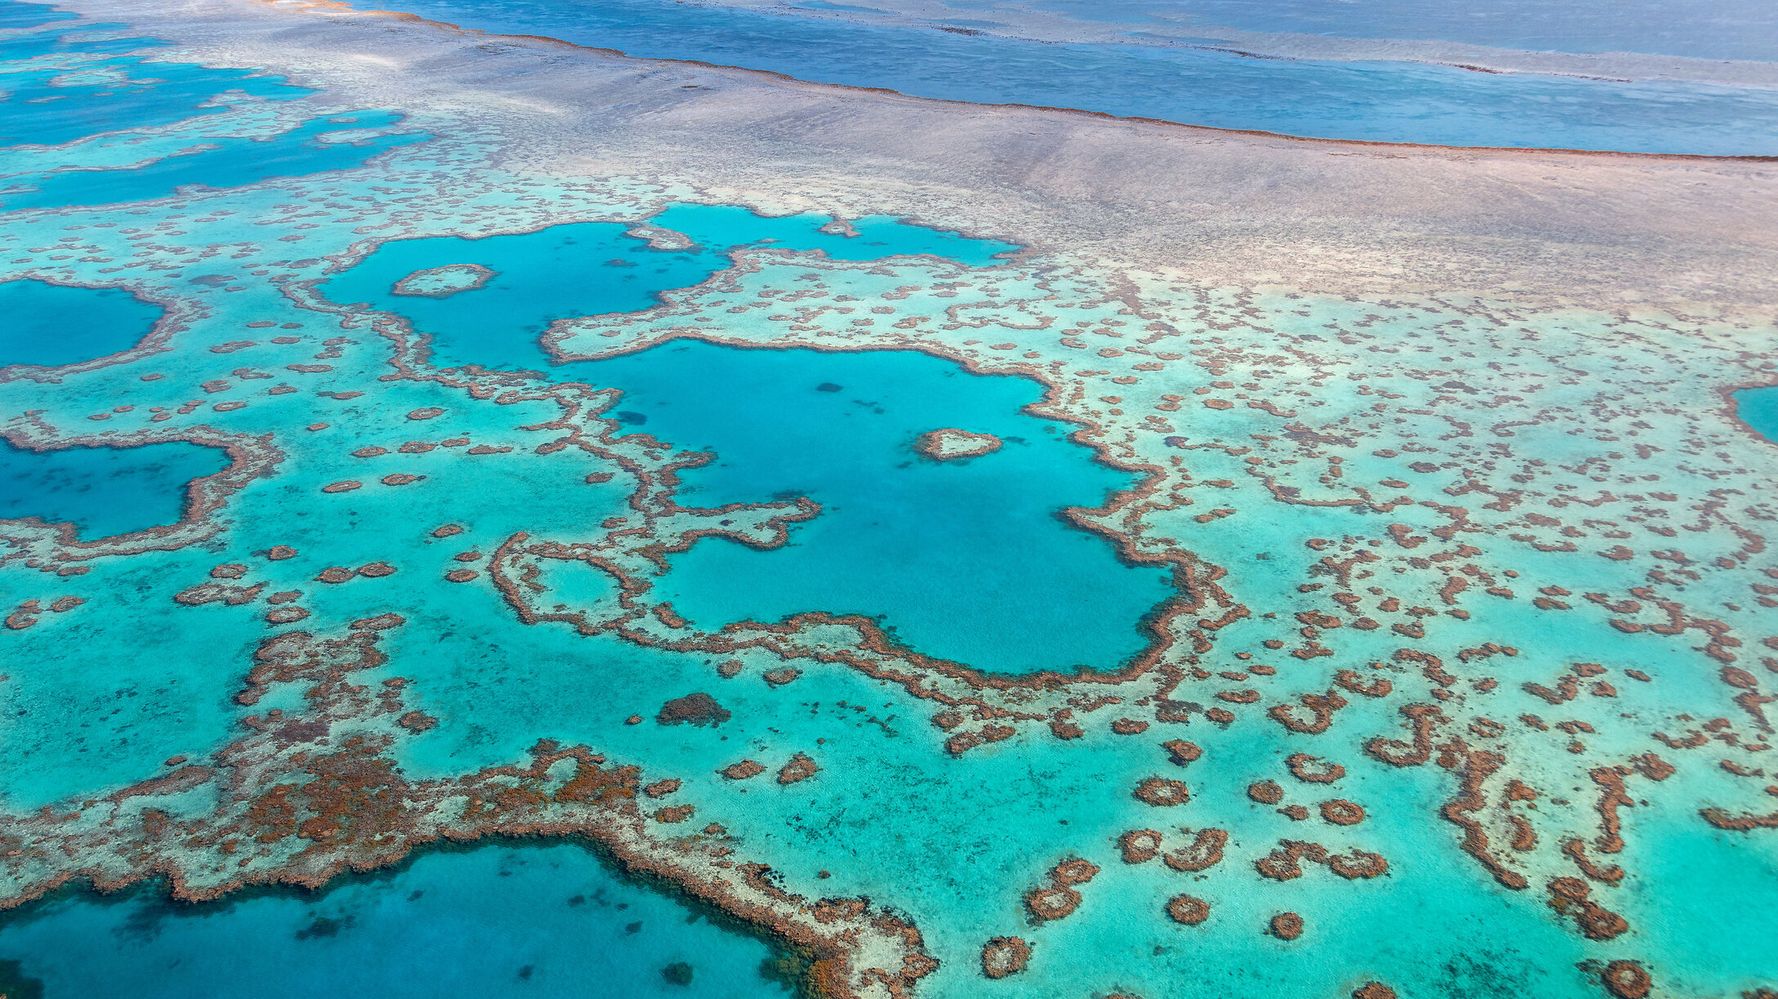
point(1312, 770)
point(342, 486)
point(1181, 752)
point(24, 616)
point(1139, 846)
point(1074, 871)
point(1047, 902)
point(673, 813)
point(1572, 897)
point(1058, 899)
point(1187, 910)
point(800, 768)
point(1341, 812)
point(1003, 956)
point(1202, 853)
point(1626, 980)
point(1265, 792)
point(1373, 990)
point(1287, 926)
point(417, 722)
point(696, 708)
point(743, 770)
point(1162, 792)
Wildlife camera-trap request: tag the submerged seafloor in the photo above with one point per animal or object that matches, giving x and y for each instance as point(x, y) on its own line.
point(879, 547)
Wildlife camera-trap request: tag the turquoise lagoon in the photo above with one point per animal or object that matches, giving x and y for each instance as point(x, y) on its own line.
point(966, 560)
point(1758, 408)
point(51, 324)
point(86, 486)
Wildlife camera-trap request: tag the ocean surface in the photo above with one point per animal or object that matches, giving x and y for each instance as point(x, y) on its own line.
point(460, 576)
point(500, 920)
point(1132, 68)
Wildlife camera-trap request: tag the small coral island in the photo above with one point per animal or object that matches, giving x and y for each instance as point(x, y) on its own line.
point(952, 444)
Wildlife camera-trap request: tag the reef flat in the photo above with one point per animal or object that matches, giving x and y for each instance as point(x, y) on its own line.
point(969, 551)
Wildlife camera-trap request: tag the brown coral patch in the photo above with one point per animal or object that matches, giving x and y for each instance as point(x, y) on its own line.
point(1572, 897)
point(1341, 812)
point(1626, 980)
point(697, 708)
point(1181, 752)
point(800, 768)
point(1287, 926)
point(1162, 792)
point(1202, 853)
point(1313, 770)
point(1187, 910)
point(1003, 956)
point(743, 770)
point(1265, 792)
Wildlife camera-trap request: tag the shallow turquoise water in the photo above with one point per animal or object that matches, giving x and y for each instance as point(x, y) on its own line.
point(962, 559)
point(50, 324)
point(316, 146)
point(966, 561)
point(498, 920)
point(1758, 408)
point(43, 107)
point(84, 485)
point(591, 268)
point(1399, 101)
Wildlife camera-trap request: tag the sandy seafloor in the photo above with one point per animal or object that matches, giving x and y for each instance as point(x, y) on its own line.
point(454, 469)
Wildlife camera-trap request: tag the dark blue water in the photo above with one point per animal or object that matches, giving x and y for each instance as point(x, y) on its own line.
point(1381, 101)
point(1702, 29)
point(44, 107)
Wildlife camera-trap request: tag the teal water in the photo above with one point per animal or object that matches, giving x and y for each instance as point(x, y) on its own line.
point(103, 491)
point(521, 921)
point(316, 146)
point(591, 268)
point(1758, 408)
point(51, 324)
point(1390, 101)
point(966, 561)
point(963, 559)
point(49, 106)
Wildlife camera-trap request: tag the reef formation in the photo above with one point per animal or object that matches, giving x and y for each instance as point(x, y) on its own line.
point(972, 595)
